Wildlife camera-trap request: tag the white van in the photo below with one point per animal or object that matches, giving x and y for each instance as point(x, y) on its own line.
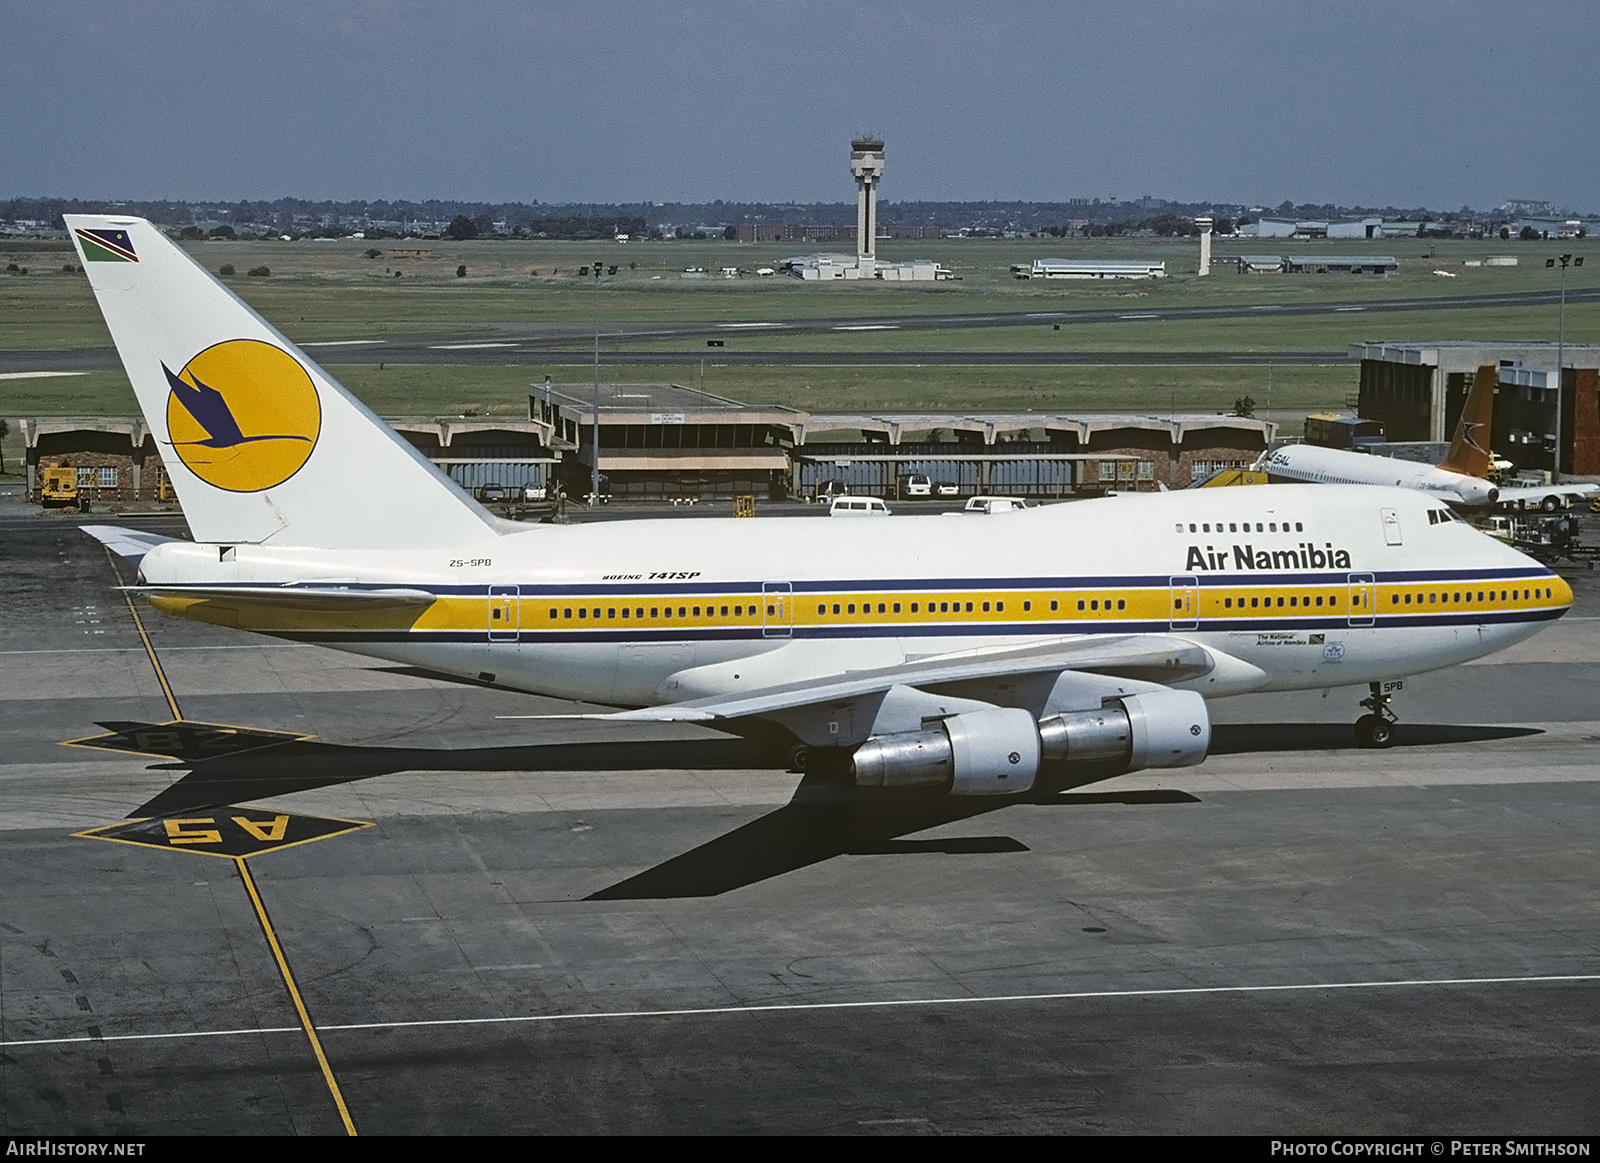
point(916, 485)
point(858, 507)
point(995, 505)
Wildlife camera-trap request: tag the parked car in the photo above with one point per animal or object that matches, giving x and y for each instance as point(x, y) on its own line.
point(916, 485)
point(945, 489)
point(858, 507)
point(982, 504)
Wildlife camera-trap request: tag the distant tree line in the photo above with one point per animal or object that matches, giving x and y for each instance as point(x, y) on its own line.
point(575, 227)
point(326, 218)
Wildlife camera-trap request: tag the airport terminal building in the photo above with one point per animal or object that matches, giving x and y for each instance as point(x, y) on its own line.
point(670, 443)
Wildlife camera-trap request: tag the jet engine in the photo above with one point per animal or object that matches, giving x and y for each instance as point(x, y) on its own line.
point(998, 751)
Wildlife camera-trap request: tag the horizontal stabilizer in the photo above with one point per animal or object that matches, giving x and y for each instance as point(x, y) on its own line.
point(299, 597)
point(1519, 496)
point(132, 544)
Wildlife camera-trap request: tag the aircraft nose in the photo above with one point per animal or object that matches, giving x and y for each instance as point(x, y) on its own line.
point(1561, 592)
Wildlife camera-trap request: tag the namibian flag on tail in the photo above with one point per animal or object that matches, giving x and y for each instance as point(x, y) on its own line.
point(105, 245)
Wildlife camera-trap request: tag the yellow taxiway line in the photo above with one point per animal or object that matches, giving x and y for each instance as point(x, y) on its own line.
point(294, 994)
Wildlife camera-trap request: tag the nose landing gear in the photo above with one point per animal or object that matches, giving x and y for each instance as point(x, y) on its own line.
point(1376, 728)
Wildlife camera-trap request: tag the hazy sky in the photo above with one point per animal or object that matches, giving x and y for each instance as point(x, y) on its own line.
point(1436, 104)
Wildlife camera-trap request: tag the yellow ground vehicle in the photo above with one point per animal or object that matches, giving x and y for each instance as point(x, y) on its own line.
point(1230, 477)
point(58, 488)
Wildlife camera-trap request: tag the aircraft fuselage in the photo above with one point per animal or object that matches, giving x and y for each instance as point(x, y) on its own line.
point(1286, 588)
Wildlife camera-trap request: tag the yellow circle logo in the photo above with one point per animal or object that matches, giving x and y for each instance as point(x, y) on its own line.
point(243, 415)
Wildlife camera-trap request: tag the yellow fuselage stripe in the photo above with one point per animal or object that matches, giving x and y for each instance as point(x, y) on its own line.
point(1087, 605)
point(710, 610)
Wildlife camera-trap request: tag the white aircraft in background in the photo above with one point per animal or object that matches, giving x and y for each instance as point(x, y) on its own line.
point(912, 650)
point(1460, 479)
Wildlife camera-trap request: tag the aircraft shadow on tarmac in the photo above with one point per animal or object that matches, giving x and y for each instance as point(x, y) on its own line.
point(1246, 738)
point(825, 818)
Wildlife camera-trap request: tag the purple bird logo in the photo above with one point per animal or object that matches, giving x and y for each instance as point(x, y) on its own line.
point(243, 415)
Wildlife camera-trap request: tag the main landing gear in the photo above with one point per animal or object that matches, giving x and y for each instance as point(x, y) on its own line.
point(1376, 728)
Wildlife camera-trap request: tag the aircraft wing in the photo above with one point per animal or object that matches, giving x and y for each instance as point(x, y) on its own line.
point(1147, 658)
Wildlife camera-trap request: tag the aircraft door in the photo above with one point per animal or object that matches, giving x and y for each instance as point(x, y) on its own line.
point(505, 611)
point(1391, 526)
point(1362, 595)
point(777, 609)
point(1186, 603)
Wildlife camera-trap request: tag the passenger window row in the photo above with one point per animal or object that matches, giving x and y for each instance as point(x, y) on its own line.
point(1089, 605)
point(1241, 527)
point(1435, 598)
point(566, 612)
point(1294, 601)
point(998, 607)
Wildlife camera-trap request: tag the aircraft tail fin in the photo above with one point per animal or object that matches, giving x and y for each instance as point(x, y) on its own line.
point(261, 445)
point(1469, 451)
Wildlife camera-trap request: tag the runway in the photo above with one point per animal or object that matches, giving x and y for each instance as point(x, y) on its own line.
point(564, 343)
point(512, 926)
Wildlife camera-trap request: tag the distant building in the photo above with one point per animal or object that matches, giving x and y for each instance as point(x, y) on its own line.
point(1089, 268)
point(1023, 454)
point(1358, 228)
point(117, 459)
point(1417, 391)
point(1341, 264)
point(866, 166)
point(812, 267)
point(1311, 229)
point(667, 442)
point(920, 270)
point(848, 266)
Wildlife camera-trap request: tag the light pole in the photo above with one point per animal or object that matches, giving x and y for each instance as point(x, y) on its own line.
point(594, 455)
point(1561, 349)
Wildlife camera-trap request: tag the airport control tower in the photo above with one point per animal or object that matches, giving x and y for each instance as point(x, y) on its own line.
point(866, 163)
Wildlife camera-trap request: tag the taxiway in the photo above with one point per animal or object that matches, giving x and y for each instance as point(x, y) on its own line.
point(564, 927)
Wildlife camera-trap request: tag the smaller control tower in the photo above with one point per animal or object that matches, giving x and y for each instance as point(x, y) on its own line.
point(866, 163)
point(1203, 225)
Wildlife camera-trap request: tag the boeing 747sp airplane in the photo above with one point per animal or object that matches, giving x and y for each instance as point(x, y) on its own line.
point(918, 651)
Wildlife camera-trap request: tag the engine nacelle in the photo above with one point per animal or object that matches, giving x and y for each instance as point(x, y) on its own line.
point(997, 752)
point(974, 753)
point(1170, 729)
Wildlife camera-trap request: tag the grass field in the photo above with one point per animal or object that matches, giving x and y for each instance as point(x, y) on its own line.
point(329, 291)
point(446, 390)
point(322, 291)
